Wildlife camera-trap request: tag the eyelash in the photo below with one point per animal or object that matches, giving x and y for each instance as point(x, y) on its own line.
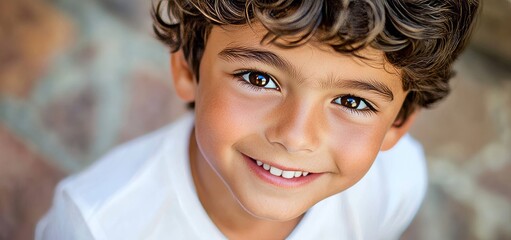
point(366, 112)
point(239, 76)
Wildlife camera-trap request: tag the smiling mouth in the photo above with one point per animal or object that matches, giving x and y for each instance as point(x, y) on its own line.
point(279, 172)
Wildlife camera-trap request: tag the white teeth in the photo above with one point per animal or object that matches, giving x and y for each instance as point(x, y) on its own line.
point(266, 167)
point(275, 171)
point(281, 173)
point(288, 174)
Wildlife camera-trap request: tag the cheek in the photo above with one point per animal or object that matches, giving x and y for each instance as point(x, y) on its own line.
point(354, 149)
point(224, 116)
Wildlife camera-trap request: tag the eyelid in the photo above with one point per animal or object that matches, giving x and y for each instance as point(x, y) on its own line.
point(370, 105)
point(240, 73)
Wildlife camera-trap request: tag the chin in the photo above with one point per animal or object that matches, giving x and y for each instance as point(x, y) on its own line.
point(280, 211)
point(273, 217)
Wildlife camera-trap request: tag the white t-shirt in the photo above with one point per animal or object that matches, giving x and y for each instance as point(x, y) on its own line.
point(144, 190)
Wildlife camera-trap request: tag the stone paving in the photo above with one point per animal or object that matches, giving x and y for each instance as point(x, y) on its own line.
point(467, 139)
point(79, 77)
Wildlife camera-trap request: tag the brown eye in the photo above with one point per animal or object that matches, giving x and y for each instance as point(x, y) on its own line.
point(352, 102)
point(259, 79)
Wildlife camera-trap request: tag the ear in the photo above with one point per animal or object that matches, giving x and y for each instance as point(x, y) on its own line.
point(395, 133)
point(182, 77)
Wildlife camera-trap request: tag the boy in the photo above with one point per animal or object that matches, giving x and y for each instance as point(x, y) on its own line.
point(295, 106)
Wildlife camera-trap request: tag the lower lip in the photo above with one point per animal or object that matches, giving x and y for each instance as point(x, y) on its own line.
point(279, 181)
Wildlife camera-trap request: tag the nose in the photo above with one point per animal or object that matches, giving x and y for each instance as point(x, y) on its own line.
point(295, 127)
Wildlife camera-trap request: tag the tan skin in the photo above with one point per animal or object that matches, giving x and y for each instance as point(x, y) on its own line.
point(227, 214)
point(312, 110)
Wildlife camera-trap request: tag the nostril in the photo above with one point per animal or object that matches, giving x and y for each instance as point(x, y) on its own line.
point(293, 138)
point(295, 146)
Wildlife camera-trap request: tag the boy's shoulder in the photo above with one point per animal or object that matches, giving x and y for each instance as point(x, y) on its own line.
point(115, 169)
point(136, 191)
point(123, 166)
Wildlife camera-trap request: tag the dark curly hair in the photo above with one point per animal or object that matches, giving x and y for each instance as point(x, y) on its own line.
point(422, 38)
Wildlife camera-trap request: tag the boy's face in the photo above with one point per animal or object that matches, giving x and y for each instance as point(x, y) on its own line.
point(306, 109)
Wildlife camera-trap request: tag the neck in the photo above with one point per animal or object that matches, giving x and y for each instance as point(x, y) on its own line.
point(224, 210)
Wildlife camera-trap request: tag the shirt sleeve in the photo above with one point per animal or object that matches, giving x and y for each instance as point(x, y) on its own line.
point(64, 220)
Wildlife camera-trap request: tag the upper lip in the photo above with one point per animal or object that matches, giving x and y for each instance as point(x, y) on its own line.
point(279, 166)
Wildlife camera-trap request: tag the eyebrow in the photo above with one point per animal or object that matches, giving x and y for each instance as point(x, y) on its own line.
point(365, 85)
point(232, 54)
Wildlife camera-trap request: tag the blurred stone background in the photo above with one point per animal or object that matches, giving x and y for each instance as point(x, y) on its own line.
point(79, 77)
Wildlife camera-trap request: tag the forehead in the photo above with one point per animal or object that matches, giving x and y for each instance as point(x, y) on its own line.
point(313, 60)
